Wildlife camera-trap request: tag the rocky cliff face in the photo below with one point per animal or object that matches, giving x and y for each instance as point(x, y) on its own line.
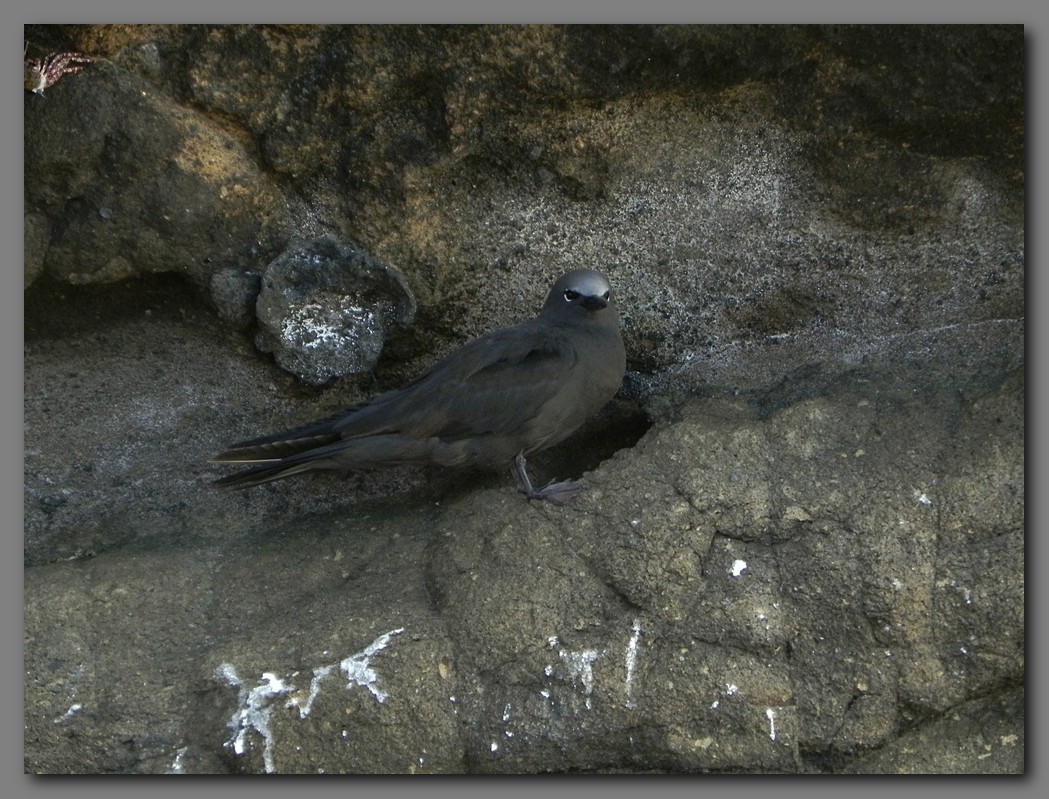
point(801, 548)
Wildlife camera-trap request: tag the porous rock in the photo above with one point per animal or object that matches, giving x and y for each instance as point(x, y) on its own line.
point(326, 309)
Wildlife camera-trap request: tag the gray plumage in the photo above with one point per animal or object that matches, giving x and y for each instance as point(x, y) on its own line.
point(491, 403)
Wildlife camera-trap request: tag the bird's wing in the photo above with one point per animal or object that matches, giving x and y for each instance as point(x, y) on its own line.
point(493, 385)
point(285, 443)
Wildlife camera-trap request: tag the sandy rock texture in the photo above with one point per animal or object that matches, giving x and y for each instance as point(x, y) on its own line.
point(801, 548)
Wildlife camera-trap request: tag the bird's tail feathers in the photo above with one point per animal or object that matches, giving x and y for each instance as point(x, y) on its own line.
point(268, 451)
point(287, 442)
point(350, 453)
point(260, 474)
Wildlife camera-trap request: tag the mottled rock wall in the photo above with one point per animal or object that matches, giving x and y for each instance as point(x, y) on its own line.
point(802, 544)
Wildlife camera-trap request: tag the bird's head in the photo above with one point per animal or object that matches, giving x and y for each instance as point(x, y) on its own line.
point(582, 292)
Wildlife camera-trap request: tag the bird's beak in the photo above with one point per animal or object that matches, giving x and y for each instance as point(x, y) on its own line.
point(594, 303)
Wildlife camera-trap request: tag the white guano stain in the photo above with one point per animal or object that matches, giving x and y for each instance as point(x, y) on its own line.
point(74, 708)
point(771, 714)
point(730, 690)
point(580, 666)
point(631, 662)
point(319, 674)
point(256, 706)
point(316, 325)
point(255, 711)
point(176, 765)
point(358, 667)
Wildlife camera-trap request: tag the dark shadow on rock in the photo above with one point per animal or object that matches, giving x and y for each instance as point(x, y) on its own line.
point(619, 426)
point(55, 309)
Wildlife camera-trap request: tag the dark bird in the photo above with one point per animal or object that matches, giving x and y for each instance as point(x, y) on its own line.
point(490, 403)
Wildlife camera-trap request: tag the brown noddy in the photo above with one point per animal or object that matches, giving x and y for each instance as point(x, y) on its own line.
point(490, 403)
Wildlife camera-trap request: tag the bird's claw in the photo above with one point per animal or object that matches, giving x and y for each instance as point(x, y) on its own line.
point(557, 492)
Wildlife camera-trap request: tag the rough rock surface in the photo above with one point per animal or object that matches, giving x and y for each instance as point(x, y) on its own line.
point(125, 181)
point(325, 310)
point(802, 544)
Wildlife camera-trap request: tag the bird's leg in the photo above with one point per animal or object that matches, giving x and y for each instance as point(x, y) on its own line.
point(558, 493)
point(520, 472)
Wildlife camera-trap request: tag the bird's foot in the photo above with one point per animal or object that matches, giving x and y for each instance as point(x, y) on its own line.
point(556, 492)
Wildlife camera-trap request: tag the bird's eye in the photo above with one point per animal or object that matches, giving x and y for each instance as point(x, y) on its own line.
point(571, 295)
point(606, 295)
